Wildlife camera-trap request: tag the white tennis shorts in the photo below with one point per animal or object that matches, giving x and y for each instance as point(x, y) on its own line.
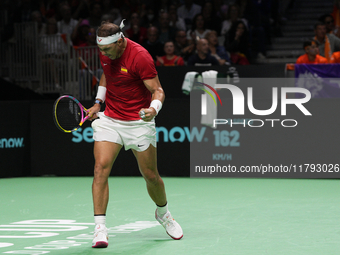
point(136, 134)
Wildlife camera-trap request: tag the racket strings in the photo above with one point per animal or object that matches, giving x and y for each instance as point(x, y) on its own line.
point(68, 114)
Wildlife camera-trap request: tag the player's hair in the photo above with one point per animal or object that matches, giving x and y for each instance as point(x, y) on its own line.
point(107, 29)
point(309, 43)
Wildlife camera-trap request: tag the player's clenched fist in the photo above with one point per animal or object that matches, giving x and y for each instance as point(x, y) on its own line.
point(147, 114)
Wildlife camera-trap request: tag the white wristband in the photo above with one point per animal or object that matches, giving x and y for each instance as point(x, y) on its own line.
point(156, 104)
point(101, 93)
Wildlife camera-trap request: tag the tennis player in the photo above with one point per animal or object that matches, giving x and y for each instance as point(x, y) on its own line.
point(134, 96)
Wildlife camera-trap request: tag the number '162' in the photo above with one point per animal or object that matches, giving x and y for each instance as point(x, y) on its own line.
point(225, 138)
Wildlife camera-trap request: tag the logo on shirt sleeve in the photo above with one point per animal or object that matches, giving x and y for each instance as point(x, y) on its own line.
point(123, 69)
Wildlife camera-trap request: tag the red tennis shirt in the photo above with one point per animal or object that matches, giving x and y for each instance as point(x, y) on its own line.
point(126, 93)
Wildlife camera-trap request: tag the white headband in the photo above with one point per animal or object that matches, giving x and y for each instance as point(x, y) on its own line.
point(112, 38)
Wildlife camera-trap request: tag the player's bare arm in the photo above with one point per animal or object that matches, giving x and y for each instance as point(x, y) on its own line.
point(96, 107)
point(154, 86)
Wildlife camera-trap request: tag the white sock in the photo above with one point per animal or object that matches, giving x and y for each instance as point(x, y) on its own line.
point(162, 210)
point(100, 219)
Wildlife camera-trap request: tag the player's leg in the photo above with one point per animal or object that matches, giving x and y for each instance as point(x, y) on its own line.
point(147, 163)
point(105, 154)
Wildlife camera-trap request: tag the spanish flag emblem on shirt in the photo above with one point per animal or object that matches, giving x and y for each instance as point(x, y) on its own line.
point(123, 69)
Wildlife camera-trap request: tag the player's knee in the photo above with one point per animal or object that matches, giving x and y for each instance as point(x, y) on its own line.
point(100, 172)
point(152, 178)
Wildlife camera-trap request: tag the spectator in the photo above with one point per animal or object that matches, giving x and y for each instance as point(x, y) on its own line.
point(233, 15)
point(336, 17)
point(328, 20)
point(125, 13)
point(108, 17)
point(90, 55)
point(23, 12)
point(54, 51)
point(162, 5)
point(215, 50)
point(276, 18)
point(83, 10)
point(258, 15)
point(132, 5)
point(48, 8)
point(312, 54)
point(90, 38)
point(237, 43)
point(221, 8)
point(152, 44)
point(95, 14)
point(136, 33)
point(67, 24)
point(328, 43)
point(211, 20)
point(36, 17)
point(80, 32)
point(188, 11)
point(198, 30)
point(149, 19)
point(30, 33)
point(202, 57)
point(53, 45)
point(108, 5)
point(51, 27)
point(116, 15)
point(335, 59)
point(175, 21)
point(182, 47)
point(242, 4)
point(166, 33)
point(169, 59)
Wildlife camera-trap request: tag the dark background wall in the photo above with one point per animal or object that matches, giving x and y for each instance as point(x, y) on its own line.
point(30, 144)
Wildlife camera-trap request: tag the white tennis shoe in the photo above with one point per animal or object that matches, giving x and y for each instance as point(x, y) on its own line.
point(101, 237)
point(173, 229)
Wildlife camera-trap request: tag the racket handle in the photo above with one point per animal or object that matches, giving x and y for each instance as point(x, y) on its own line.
point(81, 123)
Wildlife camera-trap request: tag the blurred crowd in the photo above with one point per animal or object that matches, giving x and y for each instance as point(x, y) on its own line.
point(180, 32)
point(324, 47)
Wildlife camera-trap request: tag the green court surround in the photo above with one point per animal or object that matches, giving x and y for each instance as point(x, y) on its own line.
point(218, 216)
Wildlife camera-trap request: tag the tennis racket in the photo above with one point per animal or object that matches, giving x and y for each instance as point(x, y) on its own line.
point(69, 114)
